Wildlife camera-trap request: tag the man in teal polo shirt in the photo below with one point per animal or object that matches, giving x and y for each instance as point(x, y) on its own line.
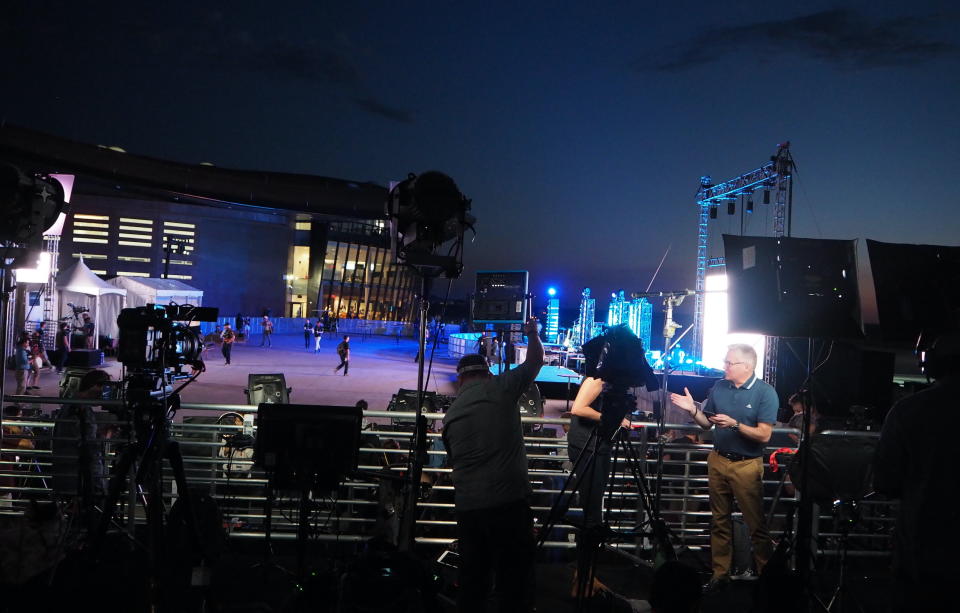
point(742, 409)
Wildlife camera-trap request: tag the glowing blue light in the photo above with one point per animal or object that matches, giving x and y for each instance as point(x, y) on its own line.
point(551, 291)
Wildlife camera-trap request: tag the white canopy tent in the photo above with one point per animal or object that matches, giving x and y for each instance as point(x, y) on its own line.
point(80, 286)
point(149, 290)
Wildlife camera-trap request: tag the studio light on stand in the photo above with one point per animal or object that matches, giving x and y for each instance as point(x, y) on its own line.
point(428, 217)
point(29, 205)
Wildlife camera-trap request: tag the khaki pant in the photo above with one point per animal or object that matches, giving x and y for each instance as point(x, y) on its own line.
point(21, 378)
point(741, 481)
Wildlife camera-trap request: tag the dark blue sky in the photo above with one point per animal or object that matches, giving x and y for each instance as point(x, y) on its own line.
point(579, 132)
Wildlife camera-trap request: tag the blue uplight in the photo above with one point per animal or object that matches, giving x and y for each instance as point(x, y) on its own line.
point(551, 291)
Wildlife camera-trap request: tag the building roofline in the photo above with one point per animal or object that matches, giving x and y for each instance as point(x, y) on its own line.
point(190, 183)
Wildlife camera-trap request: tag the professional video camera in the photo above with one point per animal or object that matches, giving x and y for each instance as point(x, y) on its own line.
point(157, 337)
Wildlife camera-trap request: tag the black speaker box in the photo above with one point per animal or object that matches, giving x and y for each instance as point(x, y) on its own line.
point(85, 358)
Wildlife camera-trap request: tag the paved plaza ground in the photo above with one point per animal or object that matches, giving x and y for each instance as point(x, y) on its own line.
point(379, 366)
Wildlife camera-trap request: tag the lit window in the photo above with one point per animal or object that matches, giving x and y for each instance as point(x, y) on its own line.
point(179, 276)
point(130, 258)
point(182, 262)
point(101, 217)
point(90, 224)
point(179, 225)
point(179, 232)
point(125, 273)
point(139, 236)
point(132, 243)
point(149, 222)
point(303, 225)
point(101, 241)
point(137, 228)
point(91, 232)
point(90, 256)
point(98, 272)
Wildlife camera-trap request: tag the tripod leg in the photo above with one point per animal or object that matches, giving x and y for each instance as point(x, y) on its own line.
point(572, 484)
point(175, 458)
point(117, 481)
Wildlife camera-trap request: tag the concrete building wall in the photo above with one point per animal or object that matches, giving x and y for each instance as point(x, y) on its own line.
point(239, 257)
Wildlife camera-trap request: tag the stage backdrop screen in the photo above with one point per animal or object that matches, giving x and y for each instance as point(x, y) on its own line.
point(793, 287)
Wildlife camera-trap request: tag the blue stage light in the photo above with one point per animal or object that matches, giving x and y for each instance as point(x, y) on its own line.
point(551, 291)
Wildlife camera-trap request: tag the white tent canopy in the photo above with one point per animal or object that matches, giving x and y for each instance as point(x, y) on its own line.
point(80, 286)
point(149, 290)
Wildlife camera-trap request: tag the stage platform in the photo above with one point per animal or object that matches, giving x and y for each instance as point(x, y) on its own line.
point(553, 381)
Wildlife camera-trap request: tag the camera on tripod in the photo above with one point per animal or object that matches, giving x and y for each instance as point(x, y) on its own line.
point(158, 337)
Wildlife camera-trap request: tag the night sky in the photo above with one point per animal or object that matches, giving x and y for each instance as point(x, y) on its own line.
point(580, 132)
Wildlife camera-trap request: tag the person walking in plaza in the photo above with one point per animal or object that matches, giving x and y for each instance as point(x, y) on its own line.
point(267, 331)
point(307, 333)
point(227, 337)
point(343, 350)
point(317, 336)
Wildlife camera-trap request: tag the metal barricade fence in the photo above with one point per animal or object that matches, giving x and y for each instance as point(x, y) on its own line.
point(368, 505)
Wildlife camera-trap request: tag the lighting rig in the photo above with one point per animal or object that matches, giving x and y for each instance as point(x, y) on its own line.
point(774, 182)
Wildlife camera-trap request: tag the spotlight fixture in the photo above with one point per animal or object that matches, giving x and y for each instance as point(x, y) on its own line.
point(713, 211)
point(425, 212)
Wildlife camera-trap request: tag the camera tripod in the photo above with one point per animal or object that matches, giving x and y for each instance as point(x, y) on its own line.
point(606, 439)
point(151, 446)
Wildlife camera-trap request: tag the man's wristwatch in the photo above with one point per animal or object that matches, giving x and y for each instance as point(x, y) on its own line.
point(735, 426)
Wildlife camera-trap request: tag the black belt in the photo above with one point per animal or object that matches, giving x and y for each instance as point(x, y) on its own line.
point(736, 457)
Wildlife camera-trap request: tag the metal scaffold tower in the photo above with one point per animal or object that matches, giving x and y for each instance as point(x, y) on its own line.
point(773, 178)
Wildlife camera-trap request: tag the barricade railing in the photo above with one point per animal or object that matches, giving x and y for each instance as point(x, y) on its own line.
point(368, 504)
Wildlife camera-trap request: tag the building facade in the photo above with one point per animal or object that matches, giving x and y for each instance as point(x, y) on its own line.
point(245, 261)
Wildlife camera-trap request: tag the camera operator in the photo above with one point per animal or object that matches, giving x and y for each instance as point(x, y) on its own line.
point(78, 464)
point(919, 472)
point(484, 441)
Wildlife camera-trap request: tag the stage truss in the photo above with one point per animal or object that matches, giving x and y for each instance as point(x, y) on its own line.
point(776, 177)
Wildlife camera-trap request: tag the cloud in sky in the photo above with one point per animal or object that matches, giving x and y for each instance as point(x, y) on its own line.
point(841, 37)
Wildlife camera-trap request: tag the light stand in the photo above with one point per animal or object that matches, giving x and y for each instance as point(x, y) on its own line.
point(671, 300)
point(418, 456)
point(425, 212)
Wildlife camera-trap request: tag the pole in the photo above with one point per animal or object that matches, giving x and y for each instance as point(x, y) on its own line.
point(409, 520)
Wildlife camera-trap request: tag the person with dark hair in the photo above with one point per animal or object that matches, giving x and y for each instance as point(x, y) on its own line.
point(318, 329)
point(267, 331)
point(63, 346)
point(227, 337)
point(908, 467)
point(343, 352)
point(78, 465)
point(307, 333)
point(743, 409)
point(89, 330)
point(484, 441)
point(22, 365)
